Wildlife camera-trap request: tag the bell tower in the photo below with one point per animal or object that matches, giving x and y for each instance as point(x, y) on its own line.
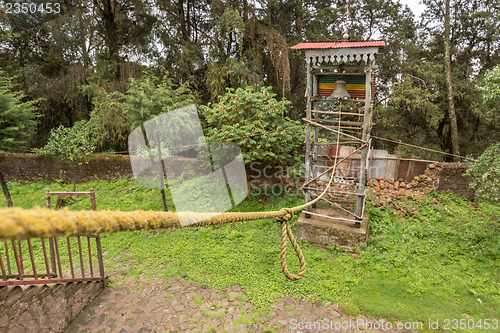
point(339, 92)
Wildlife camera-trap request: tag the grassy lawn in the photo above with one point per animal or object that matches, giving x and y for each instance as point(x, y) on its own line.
point(438, 262)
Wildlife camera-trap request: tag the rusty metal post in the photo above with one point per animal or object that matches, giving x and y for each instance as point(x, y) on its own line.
point(58, 258)
point(99, 255)
point(81, 256)
point(32, 257)
point(70, 258)
point(398, 161)
point(21, 256)
point(47, 266)
point(90, 257)
point(4, 276)
point(6, 246)
point(17, 260)
point(52, 256)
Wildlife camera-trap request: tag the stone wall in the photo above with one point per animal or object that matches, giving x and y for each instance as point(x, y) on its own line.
point(451, 179)
point(44, 308)
point(28, 167)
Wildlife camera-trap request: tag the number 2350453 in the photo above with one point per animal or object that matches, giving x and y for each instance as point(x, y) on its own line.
point(454, 324)
point(32, 8)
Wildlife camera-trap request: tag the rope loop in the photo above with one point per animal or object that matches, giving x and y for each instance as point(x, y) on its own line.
point(287, 231)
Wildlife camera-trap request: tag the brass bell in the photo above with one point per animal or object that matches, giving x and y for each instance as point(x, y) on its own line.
point(340, 90)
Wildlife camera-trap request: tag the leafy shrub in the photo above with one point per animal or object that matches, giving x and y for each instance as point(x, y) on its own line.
point(255, 121)
point(70, 145)
point(485, 175)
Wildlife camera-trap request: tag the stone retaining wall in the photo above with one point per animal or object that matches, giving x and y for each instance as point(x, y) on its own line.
point(44, 308)
point(451, 179)
point(33, 167)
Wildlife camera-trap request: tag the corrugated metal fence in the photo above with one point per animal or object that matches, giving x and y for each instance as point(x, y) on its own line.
point(380, 164)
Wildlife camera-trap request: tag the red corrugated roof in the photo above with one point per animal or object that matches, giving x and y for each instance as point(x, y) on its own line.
point(336, 45)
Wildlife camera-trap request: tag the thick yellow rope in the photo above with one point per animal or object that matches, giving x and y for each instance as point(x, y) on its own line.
point(18, 223)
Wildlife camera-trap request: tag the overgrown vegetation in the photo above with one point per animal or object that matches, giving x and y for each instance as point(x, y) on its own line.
point(485, 173)
point(257, 123)
point(70, 145)
point(215, 45)
point(490, 92)
point(437, 261)
point(115, 113)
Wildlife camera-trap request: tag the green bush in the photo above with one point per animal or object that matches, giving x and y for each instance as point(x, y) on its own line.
point(485, 174)
point(70, 145)
point(256, 122)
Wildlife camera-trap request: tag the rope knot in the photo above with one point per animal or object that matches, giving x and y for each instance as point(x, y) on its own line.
point(287, 215)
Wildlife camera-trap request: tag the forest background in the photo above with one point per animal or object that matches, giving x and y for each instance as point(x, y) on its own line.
point(82, 62)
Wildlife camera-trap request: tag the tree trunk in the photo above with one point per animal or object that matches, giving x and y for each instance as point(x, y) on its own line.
point(5, 190)
point(447, 60)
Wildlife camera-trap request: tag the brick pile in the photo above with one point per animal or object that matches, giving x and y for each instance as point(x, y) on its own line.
point(385, 193)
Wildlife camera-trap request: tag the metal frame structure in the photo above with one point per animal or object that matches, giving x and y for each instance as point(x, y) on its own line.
point(14, 271)
point(347, 132)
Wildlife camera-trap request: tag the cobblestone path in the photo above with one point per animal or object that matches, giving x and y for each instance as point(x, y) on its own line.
point(183, 306)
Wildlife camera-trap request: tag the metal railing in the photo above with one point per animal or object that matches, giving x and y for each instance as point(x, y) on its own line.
point(50, 260)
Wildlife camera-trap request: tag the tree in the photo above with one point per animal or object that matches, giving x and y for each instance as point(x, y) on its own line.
point(412, 110)
point(449, 82)
point(473, 49)
point(490, 91)
point(122, 24)
point(149, 97)
point(17, 123)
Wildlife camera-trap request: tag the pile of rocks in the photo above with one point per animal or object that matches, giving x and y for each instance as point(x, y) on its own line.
point(386, 192)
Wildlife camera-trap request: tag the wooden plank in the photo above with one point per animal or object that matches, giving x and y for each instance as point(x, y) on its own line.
point(345, 127)
point(334, 192)
point(333, 130)
point(335, 73)
point(319, 98)
point(337, 113)
point(346, 122)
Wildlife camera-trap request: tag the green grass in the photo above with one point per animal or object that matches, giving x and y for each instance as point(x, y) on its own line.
point(123, 194)
point(439, 261)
